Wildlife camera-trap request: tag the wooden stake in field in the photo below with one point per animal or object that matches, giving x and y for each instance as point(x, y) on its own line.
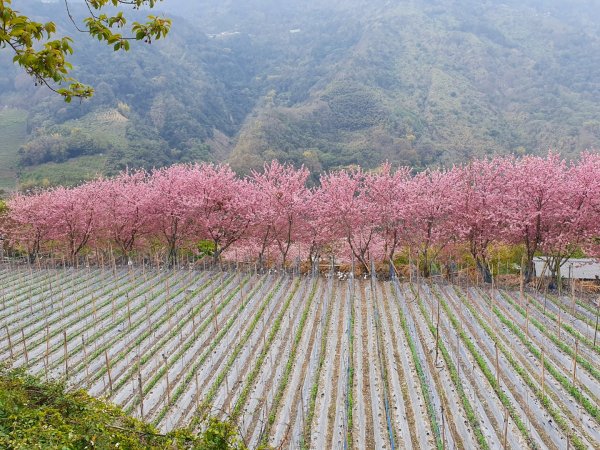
point(110, 384)
point(543, 376)
point(94, 307)
point(167, 375)
point(522, 282)
point(575, 362)
point(527, 320)
point(559, 321)
point(596, 327)
point(128, 310)
point(437, 332)
point(197, 391)
point(47, 344)
point(85, 358)
point(25, 346)
point(458, 352)
point(12, 356)
point(505, 438)
point(573, 299)
point(112, 304)
point(66, 355)
point(497, 365)
point(141, 388)
point(443, 428)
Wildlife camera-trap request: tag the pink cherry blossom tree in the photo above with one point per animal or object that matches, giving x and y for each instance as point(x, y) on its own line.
point(432, 196)
point(535, 195)
point(573, 222)
point(122, 218)
point(167, 207)
point(587, 176)
point(220, 205)
point(316, 235)
point(388, 192)
point(28, 221)
point(348, 210)
point(72, 212)
point(282, 206)
point(477, 222)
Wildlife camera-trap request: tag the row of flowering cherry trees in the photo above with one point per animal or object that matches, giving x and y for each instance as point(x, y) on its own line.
point(543, 204)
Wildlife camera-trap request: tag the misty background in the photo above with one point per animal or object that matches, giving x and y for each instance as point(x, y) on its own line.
point(327, 84)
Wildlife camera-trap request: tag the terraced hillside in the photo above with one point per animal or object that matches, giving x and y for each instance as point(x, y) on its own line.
point(304, 362)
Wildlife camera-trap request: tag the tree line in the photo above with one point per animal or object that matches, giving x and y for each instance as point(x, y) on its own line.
point(546, 205)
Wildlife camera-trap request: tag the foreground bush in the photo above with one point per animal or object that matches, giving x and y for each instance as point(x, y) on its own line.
point(42, 415)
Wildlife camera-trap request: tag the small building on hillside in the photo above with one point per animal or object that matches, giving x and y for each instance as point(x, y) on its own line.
point(578, 268)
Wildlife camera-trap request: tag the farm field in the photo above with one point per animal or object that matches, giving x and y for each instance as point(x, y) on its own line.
point(302, 362)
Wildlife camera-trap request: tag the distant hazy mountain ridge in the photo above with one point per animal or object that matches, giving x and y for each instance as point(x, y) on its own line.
point(326, 84)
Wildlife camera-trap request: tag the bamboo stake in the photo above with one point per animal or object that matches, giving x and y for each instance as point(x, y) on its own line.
point(110, 384)
point(128, 311)
point(559, 321)
point(505, 438)
point(25, 346)
point(12, 356)
point(596, 328)
point(66, 354)
point(46, 370)
point(497, 366)
point(527, 412)
point(522, 282)
point(47, 344)
point(197, 391)
point(167, 375)
point(443, 428)
point(572, 296)
point(458, 352)
point(543, 376)
point(113, 306)
point(141, 388)
point(575, 362)
point(527, 320)
point(437, 332)
point(85, 358)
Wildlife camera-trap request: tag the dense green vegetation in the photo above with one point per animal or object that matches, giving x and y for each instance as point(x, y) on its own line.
point(327, 84)
point(13, 132)
point(42, 415)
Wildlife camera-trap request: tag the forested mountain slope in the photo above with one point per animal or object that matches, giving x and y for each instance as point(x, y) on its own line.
point(325, 83)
